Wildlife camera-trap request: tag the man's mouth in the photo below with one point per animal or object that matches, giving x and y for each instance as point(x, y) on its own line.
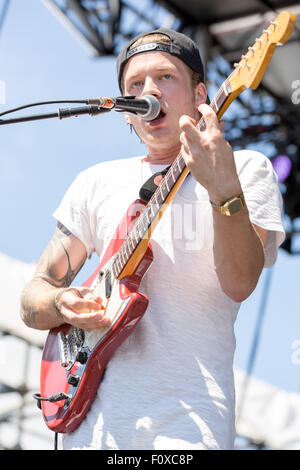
point(158, 119)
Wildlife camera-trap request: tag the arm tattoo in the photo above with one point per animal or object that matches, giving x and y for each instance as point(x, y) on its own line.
point(53, 271)
point(63, 229)
point(45, 268)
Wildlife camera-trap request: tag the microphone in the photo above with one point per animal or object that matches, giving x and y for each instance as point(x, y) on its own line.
point(148, 107)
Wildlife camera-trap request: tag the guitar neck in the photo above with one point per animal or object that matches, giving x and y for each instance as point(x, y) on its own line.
point(136, 242)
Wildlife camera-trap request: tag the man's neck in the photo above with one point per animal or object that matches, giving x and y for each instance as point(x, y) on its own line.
point(162, 156)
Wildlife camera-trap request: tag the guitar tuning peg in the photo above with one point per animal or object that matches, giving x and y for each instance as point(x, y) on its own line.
point(252, 49)
point(245, 58)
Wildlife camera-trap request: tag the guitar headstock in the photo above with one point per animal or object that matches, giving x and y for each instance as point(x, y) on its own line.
point(250, 70)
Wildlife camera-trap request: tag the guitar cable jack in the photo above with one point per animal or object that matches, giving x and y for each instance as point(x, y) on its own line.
point(53, 398)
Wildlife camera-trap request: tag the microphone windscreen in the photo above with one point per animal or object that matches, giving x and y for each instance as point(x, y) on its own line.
point(154, 108)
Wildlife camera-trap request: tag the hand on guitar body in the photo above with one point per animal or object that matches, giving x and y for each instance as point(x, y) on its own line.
point(48, 301)
point(78, 306)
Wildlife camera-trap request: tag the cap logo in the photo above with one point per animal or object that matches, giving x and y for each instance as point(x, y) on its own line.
point(148, 47)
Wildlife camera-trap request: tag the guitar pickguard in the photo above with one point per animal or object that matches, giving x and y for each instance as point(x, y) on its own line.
point(113, 304)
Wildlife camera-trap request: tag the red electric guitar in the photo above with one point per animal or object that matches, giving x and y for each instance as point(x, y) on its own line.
point(74, 360)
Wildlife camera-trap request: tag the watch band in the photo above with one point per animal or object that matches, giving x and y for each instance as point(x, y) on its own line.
point(230, 207)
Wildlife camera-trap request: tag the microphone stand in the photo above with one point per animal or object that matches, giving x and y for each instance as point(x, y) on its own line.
point(61, 113)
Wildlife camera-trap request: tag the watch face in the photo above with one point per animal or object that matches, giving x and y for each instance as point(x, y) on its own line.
point(233, 206)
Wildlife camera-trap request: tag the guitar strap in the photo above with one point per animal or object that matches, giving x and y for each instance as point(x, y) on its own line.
point(150, 186)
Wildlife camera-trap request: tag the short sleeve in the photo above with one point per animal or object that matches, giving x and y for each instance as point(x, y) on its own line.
point(73, 212)
point(263, 198)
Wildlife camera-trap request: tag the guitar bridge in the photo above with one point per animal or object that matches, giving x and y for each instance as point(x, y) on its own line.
point(70, 346)
point(63, 349)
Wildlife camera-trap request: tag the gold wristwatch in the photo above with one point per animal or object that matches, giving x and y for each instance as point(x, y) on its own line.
point(230, 207)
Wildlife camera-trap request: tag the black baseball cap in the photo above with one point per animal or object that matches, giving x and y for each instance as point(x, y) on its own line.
point(180, 45)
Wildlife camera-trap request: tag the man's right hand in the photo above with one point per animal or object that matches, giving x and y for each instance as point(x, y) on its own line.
point(79, 307)
point(48, 301)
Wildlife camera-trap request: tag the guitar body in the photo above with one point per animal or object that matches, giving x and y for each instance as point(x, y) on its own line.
point(74, 361)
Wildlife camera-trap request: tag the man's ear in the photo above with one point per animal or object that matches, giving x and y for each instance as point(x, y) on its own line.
point(200, 94)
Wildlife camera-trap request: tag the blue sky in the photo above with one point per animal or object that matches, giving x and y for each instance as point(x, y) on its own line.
point(40, 60)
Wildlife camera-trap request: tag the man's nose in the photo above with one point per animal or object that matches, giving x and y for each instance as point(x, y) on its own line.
point(151, 88)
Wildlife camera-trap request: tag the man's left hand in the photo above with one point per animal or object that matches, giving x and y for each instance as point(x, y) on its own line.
point(209, 156)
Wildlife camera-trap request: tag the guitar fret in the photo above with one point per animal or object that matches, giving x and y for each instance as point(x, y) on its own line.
point(144, 223)
point(131, 245)
point(214, 105)
point(156, 200)
point(161, 193)
point(116, 266)
point(126, 254)
point(156, 207)
point(220, 98)
point(165, 188)
point(136, 236)
point(165, 181)
point(122, 255)
point(151, 210)
point(159, 197)
point(172, 173)
point(225, 89)
point(139, 230)
point(181, 163)
point(148, 217)
point(131, 242)
point(173, 178)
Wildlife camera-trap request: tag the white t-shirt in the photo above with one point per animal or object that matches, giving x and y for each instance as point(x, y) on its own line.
point(170, 384)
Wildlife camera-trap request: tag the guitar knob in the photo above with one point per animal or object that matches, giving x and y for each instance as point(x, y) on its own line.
point(73, 380)
point(81, 357)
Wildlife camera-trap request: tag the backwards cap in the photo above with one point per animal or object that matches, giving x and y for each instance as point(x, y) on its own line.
point(180, 45)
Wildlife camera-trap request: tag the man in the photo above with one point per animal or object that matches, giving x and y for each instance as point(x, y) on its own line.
point(170, 384)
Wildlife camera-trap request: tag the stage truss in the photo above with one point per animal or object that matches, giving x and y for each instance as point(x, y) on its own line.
point(263, 120)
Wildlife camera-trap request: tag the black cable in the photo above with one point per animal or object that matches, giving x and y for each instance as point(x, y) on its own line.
point(41, 103)
point(55, 440)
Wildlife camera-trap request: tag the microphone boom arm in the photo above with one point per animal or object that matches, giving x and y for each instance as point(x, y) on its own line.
point(61, 113)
